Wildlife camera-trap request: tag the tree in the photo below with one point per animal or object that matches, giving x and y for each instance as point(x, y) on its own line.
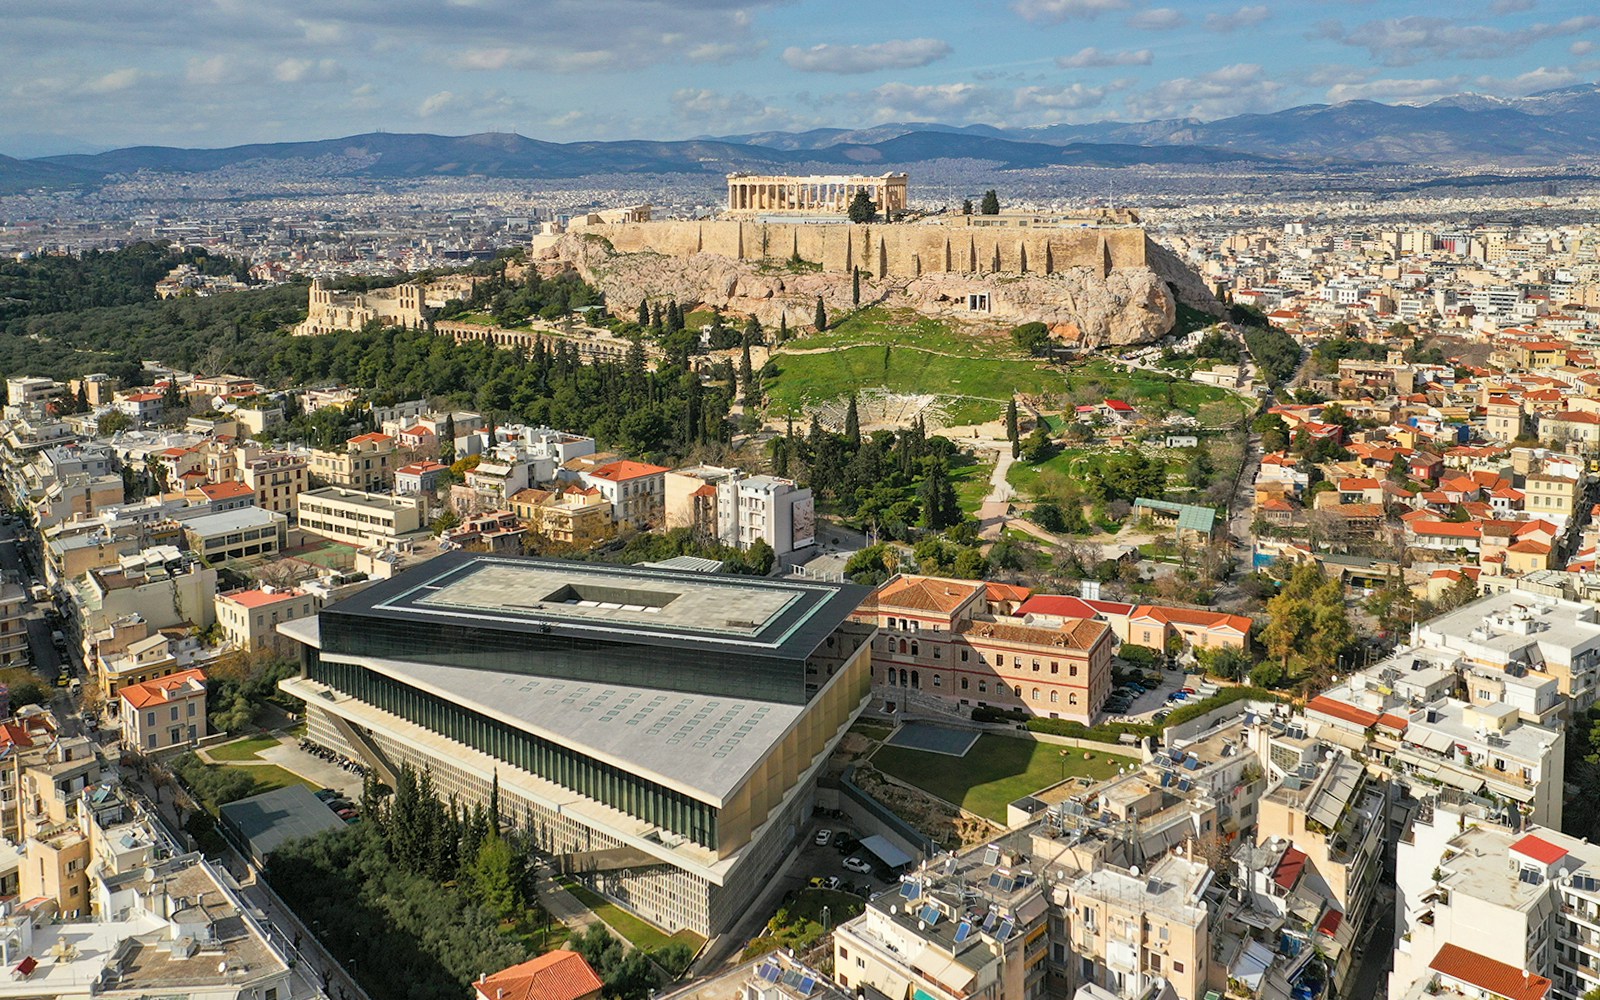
point(1033, 338)
point(113, 422)
point(861, 208)
point(940, 508)
point(494, 883)
point(820, 321)
point(852, 424)
point(991, 203)
point(644, 314)
point(855, 286)
point(1011, 422)
point(966, 206)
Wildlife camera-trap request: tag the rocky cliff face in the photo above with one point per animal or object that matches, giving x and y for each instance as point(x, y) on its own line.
point(1133, 305)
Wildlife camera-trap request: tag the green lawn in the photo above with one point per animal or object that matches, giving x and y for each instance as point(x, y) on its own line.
point(803, 925)
point(876, 325)
point(1147, 390)
point(642, 935)
point(995, 772)
point(245, 749)
point(970, 477)
point(973, 390)
point(271, 777)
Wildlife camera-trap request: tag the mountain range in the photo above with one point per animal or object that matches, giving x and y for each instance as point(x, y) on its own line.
point(1462, 130)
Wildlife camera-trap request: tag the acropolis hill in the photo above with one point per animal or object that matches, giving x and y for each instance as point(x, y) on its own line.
point(1093, 283)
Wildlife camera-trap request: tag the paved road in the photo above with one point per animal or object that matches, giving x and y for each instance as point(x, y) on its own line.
point(1372, 976)
point(46, 660)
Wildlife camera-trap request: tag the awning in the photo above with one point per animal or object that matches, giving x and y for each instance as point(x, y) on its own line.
point(27, 965)
point(884, 851)
point(1432, 739)
point(1465, 782)
point(1511, 790)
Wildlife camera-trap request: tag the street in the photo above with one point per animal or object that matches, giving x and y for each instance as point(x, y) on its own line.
point(46, 659)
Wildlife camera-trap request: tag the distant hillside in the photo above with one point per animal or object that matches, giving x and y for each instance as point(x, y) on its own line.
point(509, 155)
point(23, 175)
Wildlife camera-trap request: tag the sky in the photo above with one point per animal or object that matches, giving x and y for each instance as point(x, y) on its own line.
point(106, 73)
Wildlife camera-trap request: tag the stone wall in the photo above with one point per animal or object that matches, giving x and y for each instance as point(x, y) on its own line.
point(890, 250)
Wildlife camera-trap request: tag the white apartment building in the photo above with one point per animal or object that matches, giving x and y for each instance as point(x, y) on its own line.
point(1518, 632)
point(357, 518)
point(768, 508)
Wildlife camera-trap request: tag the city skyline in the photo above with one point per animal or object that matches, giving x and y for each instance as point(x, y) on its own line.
point(219, 74)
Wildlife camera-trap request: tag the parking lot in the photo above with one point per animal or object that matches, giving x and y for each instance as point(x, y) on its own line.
point(827, 861)
point(1156, 699)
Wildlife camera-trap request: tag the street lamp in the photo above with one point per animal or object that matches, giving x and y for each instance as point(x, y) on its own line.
point(826, 921)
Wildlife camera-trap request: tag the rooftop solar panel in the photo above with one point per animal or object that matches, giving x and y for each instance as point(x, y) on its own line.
point(963, 931)
point(1005, 930)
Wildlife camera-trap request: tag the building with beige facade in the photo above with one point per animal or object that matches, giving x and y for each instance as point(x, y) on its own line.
point(571, 516)
point(659, 733)
point(13, 626)
point(358, 518)
point(958, 643)
point(164, 714)
point(366, 462)
point(822, 194)
point(249, 618)
point(330, 311)
point(276, 478)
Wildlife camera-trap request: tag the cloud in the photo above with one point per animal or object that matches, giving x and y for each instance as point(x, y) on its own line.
point(1158, 19)
point(715, 111)
point(443, 101)
point(721, 53)
point(1244, 17)
point(1056, 11)
point(1531, 82)
point(307, 71)
point(904, 100)
point(1091, 56)
point(895, 54)
point(1230, 90)
point(1582, 48)
point(1072, 97)
point(211, 72)
point(1509, 6)
point(1331, 74)
point(1402, 41)
point(1395, 91)
point(114, 81)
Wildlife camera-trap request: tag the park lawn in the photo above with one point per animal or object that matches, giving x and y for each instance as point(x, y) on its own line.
point(271, 777)
point(877, 325)
point(970, 477)
point(972, 390)
point(1071, 463)
point(642, 935)
point(245, 749)
point(1142, 387)
point(997, 771)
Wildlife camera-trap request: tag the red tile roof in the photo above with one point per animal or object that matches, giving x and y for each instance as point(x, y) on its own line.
point(162, 688)
point(1486, 974)
point(1339, 710)
point(1330, 922)
point(555, 975)
point(1212, 620)
point(260, 598)
point(1289, 868)
point(1063, 606)
point(1539, 849)
point(625, 470)
point(225, 491)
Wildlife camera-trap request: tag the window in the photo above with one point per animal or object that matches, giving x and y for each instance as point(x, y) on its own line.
point(1035, 694)
point(913, 649)
point(1035, 666)
point(1074, 671)
point(963, 683)
point(150, 718)
point(963, 656)
point(983, 687)
point(1055, 668)
point(1055, 696)
point(1018, 690)
point(1177, 967)
point(936, 680)
point(1072, 698)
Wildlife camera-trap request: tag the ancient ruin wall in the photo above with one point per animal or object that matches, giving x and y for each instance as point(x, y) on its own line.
point(890, 251)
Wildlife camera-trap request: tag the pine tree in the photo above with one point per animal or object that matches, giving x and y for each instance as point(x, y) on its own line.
point(821, 319)
point(644, 313)
point(966, 206)
point(82, 400)
point(861, 208)
point(852, 425)
point(855, 286)
point(991, 203)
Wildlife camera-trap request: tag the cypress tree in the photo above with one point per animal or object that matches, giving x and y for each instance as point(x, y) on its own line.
point(852, 424)
point(1011, 423)
point(821, 319)
point(855, 286)
point(644, 313)
point(783, 326)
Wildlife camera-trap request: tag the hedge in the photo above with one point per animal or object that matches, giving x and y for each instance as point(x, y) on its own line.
point(1109, 732)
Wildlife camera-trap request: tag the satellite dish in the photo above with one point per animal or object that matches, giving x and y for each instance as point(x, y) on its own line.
point(1134, 871)
point(921, 926)
point(893, 909)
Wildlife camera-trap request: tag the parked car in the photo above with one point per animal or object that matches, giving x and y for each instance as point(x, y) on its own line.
point(831, 882)
point(855, 864)
point(1136, 687)
point(822, 838)
point(327, 794)
point(844, 843)
point(346, 814)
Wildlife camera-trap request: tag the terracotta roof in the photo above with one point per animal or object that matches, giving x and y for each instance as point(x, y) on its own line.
point(1063, 606)
point(225, 491)
point(1074, 633)
point(161, 689)
point(1539, 849)
point(1488, 975)
point(1189, 616)
point(1005, 592)
point(1447, 529)
point(1390, 720)
point(373, 437)
point(419, 468)
point(625, 470)
point(1289, 868)
point(925, 593)
point(260, 598)
point(1531, 548)
point(1339, 710)
point(555, 975)
point(1329, 924)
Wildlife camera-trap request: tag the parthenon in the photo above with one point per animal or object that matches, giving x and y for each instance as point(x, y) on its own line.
point(830, 194)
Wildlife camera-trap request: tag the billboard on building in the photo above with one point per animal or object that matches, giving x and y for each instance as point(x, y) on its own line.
point(805, 524)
